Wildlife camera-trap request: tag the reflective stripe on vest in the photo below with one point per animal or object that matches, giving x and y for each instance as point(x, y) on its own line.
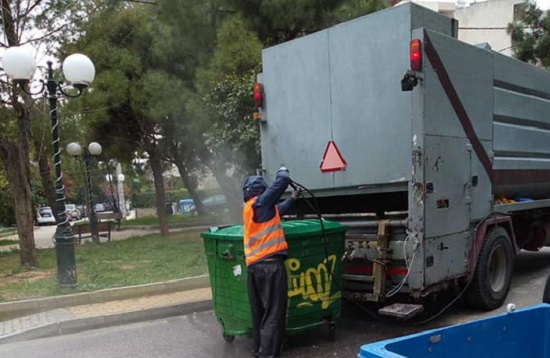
point(261, 239)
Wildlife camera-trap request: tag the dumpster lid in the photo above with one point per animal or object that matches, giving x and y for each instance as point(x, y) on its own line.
point(292, 229)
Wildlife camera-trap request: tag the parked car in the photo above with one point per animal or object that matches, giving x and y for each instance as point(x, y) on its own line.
point(99, 207)
point(83, 211)
point(73, 212)
point(215, 203)
point(108, 206)
point(44, 216)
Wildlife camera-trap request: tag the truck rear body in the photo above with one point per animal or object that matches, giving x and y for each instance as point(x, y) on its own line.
point(422, 169)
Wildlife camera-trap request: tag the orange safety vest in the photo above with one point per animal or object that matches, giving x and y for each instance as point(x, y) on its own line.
point(261, 239)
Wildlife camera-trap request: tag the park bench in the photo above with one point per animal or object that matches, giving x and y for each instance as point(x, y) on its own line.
point(116, 216)
point(84, 231)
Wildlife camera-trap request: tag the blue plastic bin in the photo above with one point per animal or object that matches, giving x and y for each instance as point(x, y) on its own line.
point(524, 333)
point(187, 206)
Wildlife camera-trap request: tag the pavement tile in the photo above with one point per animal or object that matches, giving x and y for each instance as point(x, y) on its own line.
point(137, 304)
point(99, 311)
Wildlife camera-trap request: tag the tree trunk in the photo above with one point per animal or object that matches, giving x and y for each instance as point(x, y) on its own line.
point(156, 167)
point(232, 192)
point(17, 165)
point(45, 175)
point(191, 185)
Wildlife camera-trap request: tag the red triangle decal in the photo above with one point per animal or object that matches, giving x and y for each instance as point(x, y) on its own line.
point(333, 160)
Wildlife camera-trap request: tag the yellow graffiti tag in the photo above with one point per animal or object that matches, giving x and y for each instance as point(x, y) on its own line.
point(314, 285)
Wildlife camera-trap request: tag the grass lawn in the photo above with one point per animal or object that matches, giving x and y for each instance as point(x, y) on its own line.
point(8, 232)
point(129, 262)
point(5, 242)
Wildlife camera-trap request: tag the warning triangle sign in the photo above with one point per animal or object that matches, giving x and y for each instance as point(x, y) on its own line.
point(333, 160)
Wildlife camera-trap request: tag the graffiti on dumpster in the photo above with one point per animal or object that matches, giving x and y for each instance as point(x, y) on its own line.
point(314, 284)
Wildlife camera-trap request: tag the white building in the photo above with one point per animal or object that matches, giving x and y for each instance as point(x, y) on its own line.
point(487, 22)
point(480, 22)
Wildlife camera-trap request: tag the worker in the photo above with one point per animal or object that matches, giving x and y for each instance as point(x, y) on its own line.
point(265, 249)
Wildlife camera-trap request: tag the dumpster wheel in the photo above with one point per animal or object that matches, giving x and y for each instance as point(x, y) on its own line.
point(332, 331)
point(228, 337)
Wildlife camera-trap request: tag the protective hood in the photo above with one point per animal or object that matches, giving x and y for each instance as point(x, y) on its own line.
point(253, 186)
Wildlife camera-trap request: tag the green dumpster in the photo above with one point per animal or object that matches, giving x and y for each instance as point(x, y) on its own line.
point(314, 276)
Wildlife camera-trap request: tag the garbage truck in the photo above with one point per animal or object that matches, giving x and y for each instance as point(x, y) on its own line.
point(434, 153)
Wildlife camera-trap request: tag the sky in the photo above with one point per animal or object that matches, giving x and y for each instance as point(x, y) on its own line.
point(543, 4)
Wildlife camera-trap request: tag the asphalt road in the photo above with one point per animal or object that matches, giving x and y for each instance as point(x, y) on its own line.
point(199, 335)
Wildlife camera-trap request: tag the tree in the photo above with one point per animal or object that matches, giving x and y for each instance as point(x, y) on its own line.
point(531, 36)
point(228, 138)
point(15, 137)
point(124, 50)
point(276, 21)
point(7, 214)
point(24, 22)
point(219, 129)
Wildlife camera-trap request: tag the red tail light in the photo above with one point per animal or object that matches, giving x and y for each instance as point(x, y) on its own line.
point(258, 95)
point(416, 55)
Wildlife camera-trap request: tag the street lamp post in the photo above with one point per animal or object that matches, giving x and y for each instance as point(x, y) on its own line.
point(79, 71)
point(94, 149)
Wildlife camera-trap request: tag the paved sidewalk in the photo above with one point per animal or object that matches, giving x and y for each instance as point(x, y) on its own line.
point(66, 314)
point(83, 317)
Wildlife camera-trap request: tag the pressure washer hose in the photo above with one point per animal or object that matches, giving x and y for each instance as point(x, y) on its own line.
point(315, 207)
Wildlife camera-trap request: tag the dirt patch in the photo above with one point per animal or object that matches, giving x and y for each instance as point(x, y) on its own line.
point(127, 267)
point(28, 276)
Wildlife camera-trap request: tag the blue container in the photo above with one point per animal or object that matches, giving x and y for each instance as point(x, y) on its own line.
point(524, 333)
point(187, 206)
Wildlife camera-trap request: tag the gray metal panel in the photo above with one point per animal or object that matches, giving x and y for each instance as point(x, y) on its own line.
point(521, 127)
point(516, 140)
point(521, 163)
point(417, 189)
point(481, 197)
point(447, 167)
point(364, 100)
point(519, 108)
point(423, 17)
point(371, 115)
point(450, 257)
point(297, 93)
point(518, 75)
point(470, 72)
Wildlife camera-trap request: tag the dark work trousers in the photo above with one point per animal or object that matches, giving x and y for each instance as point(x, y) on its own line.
point(268, 293)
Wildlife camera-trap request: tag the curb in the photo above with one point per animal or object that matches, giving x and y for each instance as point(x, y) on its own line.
point(89, 323)
point(186, 227)
point(203, 226)
point(16, 309)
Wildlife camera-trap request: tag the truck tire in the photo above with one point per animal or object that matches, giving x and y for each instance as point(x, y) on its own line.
point(546, 294)
point(493, 275)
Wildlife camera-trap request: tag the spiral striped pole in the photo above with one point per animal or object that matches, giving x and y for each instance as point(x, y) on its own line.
point(64, 238)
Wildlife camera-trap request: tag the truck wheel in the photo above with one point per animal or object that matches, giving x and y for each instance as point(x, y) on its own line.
point(493, 274)
point(546, 294)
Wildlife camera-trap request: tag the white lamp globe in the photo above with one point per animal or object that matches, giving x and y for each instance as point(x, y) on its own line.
point(74, 149)
point(121, 177)
point(19, 64)
point(109, 177)
point(95, 148)
point(79, 70)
